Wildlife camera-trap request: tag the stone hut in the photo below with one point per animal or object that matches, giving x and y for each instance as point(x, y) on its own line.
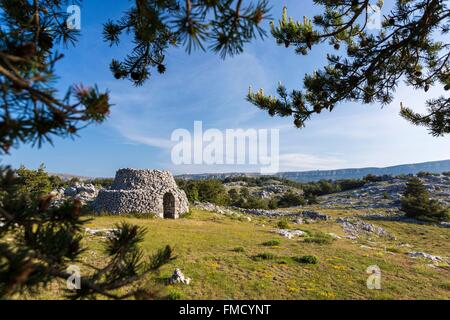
point(143, 191)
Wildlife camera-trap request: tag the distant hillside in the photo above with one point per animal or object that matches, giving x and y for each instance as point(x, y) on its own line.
point(67, 177)
point(307, 176)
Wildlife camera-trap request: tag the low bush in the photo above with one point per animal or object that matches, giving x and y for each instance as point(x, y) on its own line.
point(319, 238)
point(212, 191)
point(416, 203)
point(238, 249)
point(271, 243)
point(291, 199)
point(306, 259)
point(283, 224)
point(265, 256)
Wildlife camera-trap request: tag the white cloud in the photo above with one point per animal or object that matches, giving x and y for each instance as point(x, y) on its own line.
point(145, 140)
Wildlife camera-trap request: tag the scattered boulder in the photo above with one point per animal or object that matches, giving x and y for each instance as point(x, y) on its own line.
point(213, 208)
point(70, 192)
point(290, 234)
point(85, 193)
point(307, 215)
point(99, 232)
point(315, 215)
point(387, 193)
point(178, 277)
point(334, 236)
point(88, 188)
point(355, 227)
point(428, 256)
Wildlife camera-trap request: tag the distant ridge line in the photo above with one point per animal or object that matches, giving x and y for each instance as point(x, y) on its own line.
point(351, 173)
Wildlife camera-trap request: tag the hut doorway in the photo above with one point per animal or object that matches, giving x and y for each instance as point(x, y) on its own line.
point(169, 206)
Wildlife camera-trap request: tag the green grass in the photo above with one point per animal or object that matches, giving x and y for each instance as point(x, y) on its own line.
point(264, 256)
point(219, 252)
point(271, 243)
point(306, 259)
point(319, 237)
point(283, 224)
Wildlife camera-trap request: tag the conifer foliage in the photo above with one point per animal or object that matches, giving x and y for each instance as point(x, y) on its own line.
point(223, 26)
point(410, 45)
point(416, 203)
point(32, 110)
point(44, 241)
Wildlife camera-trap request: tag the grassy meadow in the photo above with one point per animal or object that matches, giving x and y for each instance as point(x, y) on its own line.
point(233, 258)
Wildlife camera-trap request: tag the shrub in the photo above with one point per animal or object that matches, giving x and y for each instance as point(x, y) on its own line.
point(291, 199)
point(255, 203)
point(372, 178)
point(239, 249)
point(311, 199)
point(271, 243)
point(423, 174)
point(30, 185)
point(350, 184)
point(243, 199)
point(212, 191)
point(283, 224)
point(307, 259)
point(175, 295)
point(319, 238)
point(234, 196)
point(416, 203)
point(272, 204)
point(105, 183)
point(265, 256)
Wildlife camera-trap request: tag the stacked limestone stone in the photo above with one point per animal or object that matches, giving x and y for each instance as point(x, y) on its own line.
point(141, 192)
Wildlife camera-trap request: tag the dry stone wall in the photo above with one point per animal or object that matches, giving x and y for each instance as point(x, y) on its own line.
point(141, 192)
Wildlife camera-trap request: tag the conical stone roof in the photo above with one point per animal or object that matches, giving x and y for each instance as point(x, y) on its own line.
point(136, 191)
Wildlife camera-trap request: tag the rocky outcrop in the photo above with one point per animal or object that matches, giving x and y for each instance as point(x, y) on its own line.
point(85, 193)
point(211, 207)
point(354, 228)
point(143, 192)
point(104, 233)
point(428, 256)
point(308, 215)
point(387, 194)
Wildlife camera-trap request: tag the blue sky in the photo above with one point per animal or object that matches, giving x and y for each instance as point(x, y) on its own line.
point(203, 87)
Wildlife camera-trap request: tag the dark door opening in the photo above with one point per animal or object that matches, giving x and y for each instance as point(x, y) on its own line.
point(169, 206)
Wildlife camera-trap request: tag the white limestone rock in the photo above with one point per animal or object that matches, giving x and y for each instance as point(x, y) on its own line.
point(178, 277)
point(290, 234)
